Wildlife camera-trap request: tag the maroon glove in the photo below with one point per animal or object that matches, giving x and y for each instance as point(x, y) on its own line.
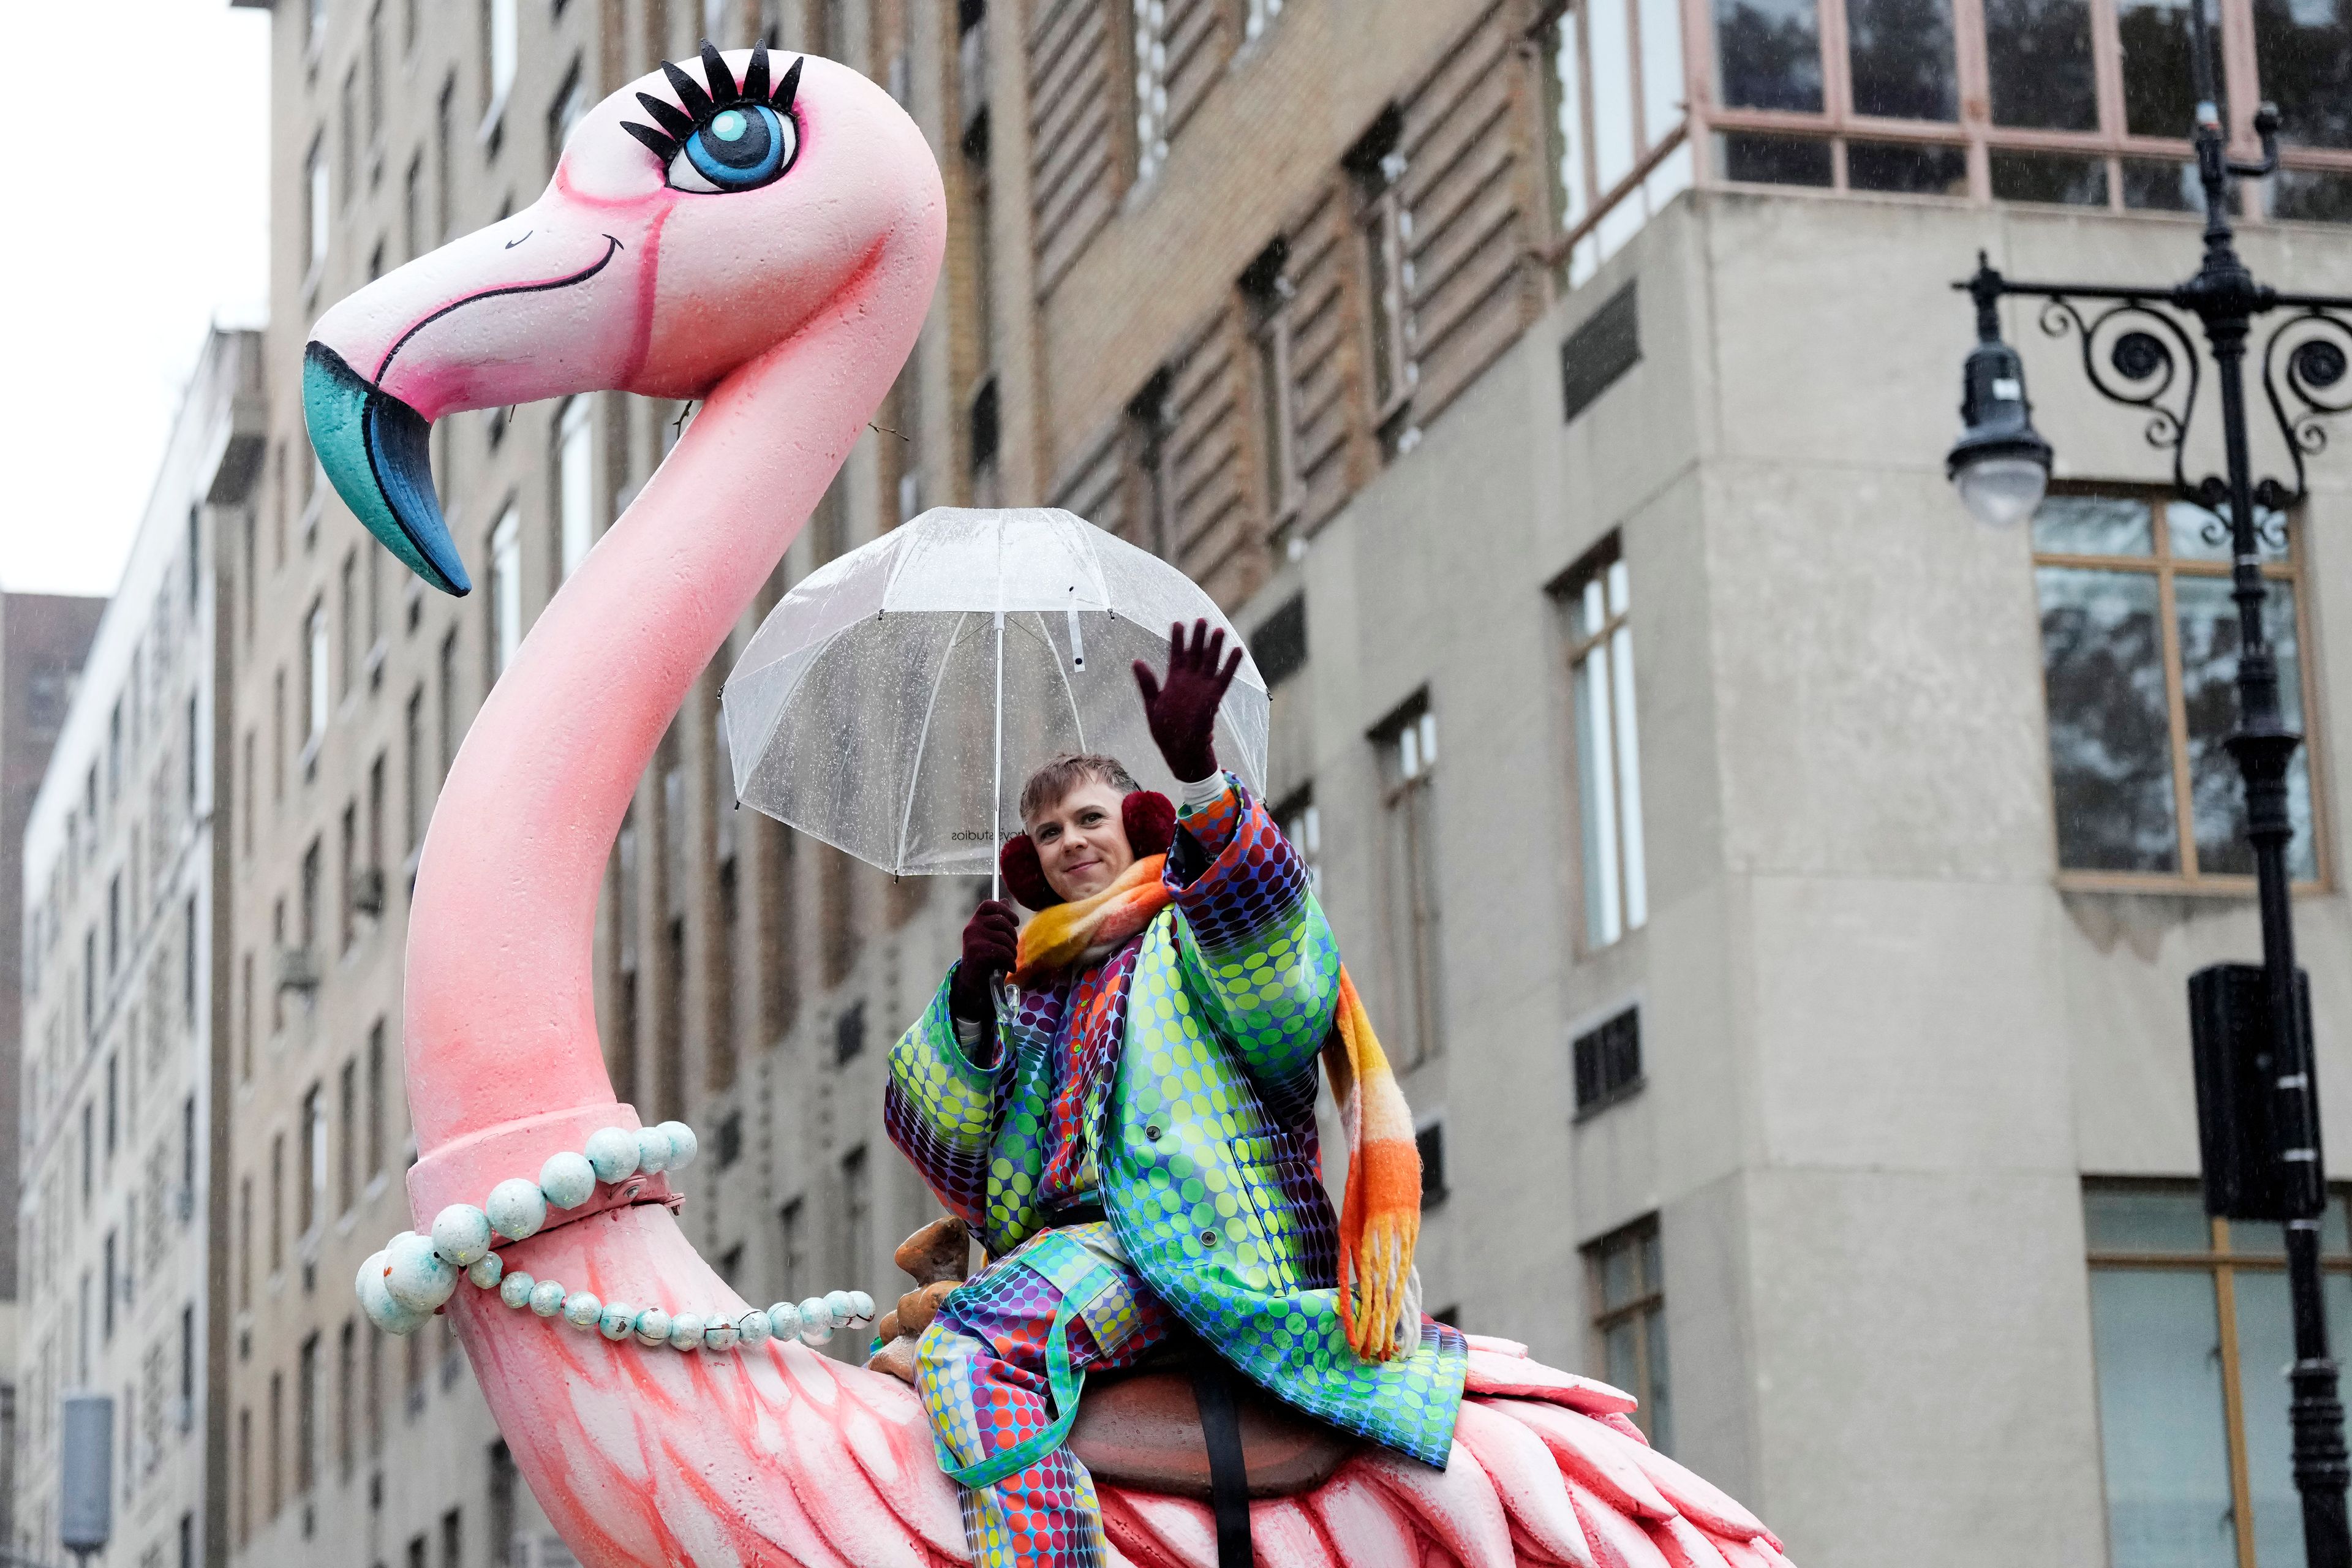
point(990, 940)
point(1183, 712)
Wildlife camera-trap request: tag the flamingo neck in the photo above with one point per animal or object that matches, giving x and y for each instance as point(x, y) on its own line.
point(500, 1001)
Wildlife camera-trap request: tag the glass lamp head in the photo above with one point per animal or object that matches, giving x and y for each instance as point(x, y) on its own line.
point(2000, 463)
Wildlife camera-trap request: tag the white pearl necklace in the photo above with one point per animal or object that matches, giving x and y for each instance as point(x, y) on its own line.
point(414, 1276)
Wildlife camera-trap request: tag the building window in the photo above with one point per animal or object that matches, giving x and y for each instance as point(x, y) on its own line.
point(317, 214)
point(1891, 110)
point(347, 1189)
point(412, 760)
point(1383, 219)
point(1302, 824)
point(349, 606)
point(571, 103)
point(792, 1237)
point(575, 484)
point(857, 1212)
point(501, 47)
point(375, 1098)
point(444, 138)
point(2190, 1328)
point(347, 1379)
point(1267, 292)
point(315, 696)
point(448, 673)
point(1607, 1061)
point(506, 591)
point(2139, 654)
point(1595, 597)
point(1429, 1143)
point(1615, 90)
point(245, 1245)
point(1628, 1287)
point(308, 1204)
point(1407, 745)
point(1151, 88)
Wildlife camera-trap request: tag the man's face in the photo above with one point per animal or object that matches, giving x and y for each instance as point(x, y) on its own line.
point(1081, 842)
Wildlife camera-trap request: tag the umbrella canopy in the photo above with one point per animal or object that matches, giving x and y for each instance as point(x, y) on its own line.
point(870, 707)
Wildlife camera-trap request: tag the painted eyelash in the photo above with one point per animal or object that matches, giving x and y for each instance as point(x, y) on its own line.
point(676, 123)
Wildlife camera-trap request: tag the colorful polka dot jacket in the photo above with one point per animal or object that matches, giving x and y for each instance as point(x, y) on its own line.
point(1206, 1154)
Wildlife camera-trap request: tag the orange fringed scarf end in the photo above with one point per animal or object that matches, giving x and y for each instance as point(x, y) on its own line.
point(1380, 1213)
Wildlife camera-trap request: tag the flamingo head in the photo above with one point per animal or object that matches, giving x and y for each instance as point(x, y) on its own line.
point(699, 217)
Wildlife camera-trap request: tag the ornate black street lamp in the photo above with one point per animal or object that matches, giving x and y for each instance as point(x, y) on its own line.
point(2257, 1096)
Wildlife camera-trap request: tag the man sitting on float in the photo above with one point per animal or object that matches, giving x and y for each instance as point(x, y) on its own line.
point(1129, 1127)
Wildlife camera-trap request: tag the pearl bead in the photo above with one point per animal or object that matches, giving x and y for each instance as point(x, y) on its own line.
point(487, 1270)
point(613, 1153)
point(753, 1329)
point(864, 1306)
point(376, 1301)
point(684, 1331)
point(461, 1233)
point(653, 1327)
point(618, 1321)
point(720, 1337)
point(516, 1208)
point(653, 1151)
point(817, 1321)
point(784, 1320)
point(420, 1280)
point(843, 1306)
point(581, 1309)
point(515, 1288)
point(547, 1297)
point(683, 1144)
point(567, 1180)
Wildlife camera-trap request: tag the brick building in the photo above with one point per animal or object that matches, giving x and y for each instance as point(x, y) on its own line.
point(1782, 951)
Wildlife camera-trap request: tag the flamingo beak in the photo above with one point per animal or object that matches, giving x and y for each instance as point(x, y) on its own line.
point(537, 305)
point(377, 452)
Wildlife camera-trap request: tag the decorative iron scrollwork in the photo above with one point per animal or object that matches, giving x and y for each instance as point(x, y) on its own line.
point(2307, 376)
point(2136, 353)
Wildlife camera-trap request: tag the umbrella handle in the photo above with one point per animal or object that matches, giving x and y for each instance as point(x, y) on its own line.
point(996, 800)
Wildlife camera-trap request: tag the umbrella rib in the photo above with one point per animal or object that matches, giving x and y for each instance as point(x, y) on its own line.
point(922, 743)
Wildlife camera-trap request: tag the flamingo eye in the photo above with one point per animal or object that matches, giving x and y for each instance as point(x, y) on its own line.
point(740, 147)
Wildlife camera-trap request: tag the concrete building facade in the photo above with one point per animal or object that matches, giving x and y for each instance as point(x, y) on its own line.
point(121, 932)
point(1776, 894)
point(43, 640)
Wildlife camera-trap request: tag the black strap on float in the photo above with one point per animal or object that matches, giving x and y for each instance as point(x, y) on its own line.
point(1221, 1431)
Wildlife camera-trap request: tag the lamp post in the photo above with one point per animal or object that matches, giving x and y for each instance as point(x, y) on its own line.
point(2262, 1150)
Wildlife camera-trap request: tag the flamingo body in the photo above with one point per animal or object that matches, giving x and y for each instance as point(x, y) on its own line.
point(788, 308)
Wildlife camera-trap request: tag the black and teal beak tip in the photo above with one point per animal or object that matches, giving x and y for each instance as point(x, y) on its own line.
point(377, 452)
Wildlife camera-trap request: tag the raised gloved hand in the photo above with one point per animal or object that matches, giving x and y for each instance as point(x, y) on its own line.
point(990, 940)
point(1182, 709)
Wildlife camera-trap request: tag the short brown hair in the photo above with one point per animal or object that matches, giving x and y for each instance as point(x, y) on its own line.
point(1048, 786)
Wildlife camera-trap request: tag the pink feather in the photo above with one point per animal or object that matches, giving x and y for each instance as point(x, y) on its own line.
point(1526, 1479)
point(1589, 1453)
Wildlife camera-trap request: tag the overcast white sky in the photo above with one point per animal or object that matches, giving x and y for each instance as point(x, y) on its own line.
point(144, 213)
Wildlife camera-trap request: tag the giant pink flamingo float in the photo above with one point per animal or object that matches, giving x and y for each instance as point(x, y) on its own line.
point(787, 297)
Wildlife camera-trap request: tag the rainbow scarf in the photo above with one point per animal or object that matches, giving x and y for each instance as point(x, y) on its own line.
point(1380, 1213)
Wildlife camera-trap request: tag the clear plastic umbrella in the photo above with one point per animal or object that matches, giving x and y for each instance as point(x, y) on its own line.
point(883, 704)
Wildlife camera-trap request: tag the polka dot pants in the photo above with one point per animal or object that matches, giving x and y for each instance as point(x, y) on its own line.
point(982, 1370)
